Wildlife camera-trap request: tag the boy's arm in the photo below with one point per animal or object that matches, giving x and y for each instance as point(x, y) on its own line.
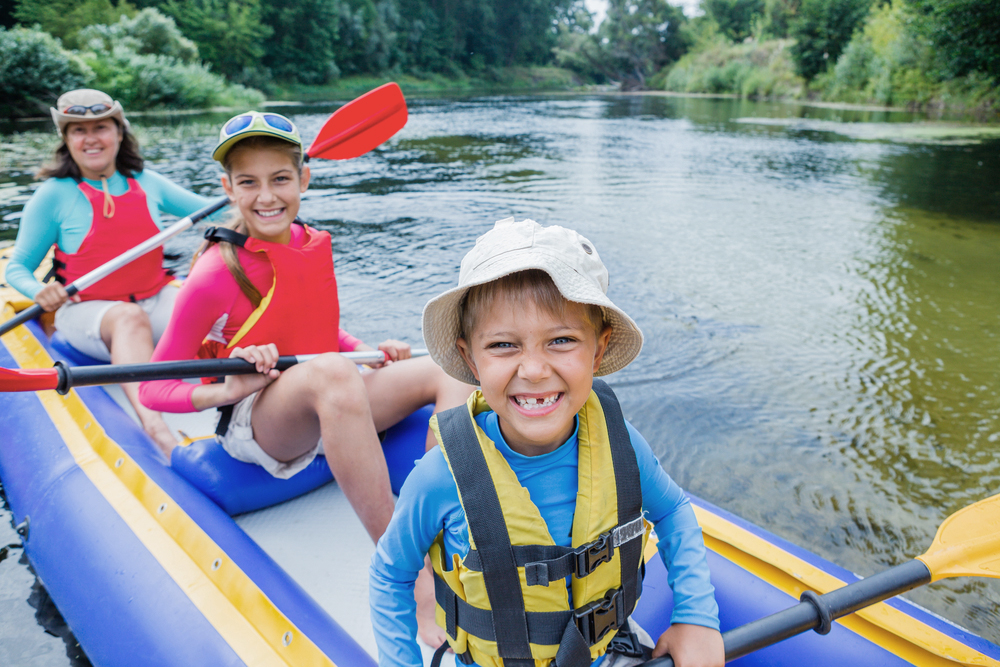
point(425, 502)
point(680, 542)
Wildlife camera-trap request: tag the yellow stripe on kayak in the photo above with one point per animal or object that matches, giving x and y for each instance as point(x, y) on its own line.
point(887, 627)
point(231, 602)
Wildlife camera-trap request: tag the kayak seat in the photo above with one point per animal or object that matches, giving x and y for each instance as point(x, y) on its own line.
point(73, 355)
point(239, 487)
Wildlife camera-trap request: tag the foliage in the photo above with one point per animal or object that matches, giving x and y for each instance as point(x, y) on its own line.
point(638, 38)
point(752, 69)
point(149, 81)
point(965, 33)
point(65, 18)
point(301, 47)
point(229, 34)
point(822, 29)
point(34, 71)
point(149, 31)
point(366, 36)
point(735, 17)
point(778, 17)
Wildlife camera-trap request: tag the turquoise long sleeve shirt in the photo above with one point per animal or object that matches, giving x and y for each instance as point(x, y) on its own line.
point(58, 213)
point(428, 504)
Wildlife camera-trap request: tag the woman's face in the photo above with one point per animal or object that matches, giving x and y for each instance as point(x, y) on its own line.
point(93, 145)
point(266, 185)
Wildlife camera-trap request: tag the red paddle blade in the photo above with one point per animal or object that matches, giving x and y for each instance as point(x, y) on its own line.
point(32, 379)
point(361, 125)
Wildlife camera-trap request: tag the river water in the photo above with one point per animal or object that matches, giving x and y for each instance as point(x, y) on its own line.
point(818, 291)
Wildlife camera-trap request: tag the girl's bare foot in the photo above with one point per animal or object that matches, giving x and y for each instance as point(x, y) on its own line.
point(430, 632)
point(158, 430)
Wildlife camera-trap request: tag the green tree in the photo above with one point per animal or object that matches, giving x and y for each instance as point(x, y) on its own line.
point(230, 34)
point(301, 48)
point(778, 16)
point(149, 32)
point(966, 34)
point(735, 17)
point(822, 29)
point(640, 37)
point(34, 71)
point(65, 18)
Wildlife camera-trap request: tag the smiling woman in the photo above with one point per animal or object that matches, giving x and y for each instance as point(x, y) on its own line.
point(97, 202)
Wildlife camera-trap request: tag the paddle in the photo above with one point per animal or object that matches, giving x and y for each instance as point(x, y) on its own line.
point(63, 376)
point(352, 130)
point(966, 545)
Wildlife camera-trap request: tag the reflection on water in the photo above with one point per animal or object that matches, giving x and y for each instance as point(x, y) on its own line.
point(820, 304)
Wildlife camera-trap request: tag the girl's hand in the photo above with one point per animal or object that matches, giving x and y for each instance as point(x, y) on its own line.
point(691, 646)
point(52, 296)
point(394, 351)
point(264, 357)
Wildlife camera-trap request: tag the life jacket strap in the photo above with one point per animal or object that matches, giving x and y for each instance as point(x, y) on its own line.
point(220, 234)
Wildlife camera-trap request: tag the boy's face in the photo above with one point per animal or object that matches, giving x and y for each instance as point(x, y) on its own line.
point(536, 370)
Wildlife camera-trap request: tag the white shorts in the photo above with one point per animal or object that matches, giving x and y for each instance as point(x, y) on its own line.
point(239, 443)
point(80, 323)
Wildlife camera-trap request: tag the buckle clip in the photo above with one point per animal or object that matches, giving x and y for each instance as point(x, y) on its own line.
point(599, 617)
point(627, 644)
point(589, 556)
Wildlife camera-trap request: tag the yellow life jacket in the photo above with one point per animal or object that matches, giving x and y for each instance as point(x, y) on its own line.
point(507, 602)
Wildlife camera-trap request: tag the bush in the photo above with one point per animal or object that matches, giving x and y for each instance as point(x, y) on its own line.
point(34, 71)
point(822, 29)
point(753, 69)
point(65, 18)
point(735, 17)
point(149, 32)
point(147, 81)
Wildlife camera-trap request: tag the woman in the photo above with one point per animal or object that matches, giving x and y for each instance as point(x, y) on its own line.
point(98, 201)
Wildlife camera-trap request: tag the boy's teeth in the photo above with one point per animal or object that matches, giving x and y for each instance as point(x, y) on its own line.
point(536, 403)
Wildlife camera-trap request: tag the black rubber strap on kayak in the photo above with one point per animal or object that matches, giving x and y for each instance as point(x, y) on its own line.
point(629, 488)
point(488, 529)
point(225, 416)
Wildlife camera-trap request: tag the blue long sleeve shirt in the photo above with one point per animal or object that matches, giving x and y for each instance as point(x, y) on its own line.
point(429, 504)
point(59, 213)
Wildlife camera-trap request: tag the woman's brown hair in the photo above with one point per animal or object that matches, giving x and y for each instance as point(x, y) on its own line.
point(128, 162)
point(236, 221)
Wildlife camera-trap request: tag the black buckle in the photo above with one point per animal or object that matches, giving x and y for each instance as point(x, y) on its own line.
point(589, 556)
point(627, 644)
point(599, 617)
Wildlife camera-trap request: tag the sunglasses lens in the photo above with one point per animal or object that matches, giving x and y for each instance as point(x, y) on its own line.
point(237, 124)
point(76, 110)
point(279, 122)
point(100, 108)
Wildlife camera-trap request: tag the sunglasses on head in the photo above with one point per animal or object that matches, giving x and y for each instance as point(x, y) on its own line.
point(80, 110)
point(243, 121)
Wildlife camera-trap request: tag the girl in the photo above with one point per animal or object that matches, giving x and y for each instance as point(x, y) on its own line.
point(267, 284)
point(98, 201)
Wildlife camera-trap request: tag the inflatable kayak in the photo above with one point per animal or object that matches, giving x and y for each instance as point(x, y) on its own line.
point(146, 563)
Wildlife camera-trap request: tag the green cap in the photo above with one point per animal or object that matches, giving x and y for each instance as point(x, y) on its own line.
point(254, 124)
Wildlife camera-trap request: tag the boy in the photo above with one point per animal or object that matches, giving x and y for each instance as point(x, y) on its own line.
point(531, 507)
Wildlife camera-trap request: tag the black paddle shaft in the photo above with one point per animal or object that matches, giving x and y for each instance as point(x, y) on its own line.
point(817, 612)
point(81, 376)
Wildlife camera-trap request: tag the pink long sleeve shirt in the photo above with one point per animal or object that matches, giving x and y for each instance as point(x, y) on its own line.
point(211, 306)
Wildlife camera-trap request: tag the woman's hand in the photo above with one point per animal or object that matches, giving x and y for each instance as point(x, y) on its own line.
point(691, 646)
point(394, 351)
point(52, 296)
point(264, 357)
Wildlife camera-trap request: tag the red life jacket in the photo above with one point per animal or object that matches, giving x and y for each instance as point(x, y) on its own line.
point(300, 313)
point(129, 226)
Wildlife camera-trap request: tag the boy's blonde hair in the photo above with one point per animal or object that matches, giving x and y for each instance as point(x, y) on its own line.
point(530, 286)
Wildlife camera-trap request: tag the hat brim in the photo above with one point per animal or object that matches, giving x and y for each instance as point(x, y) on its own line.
point(220, 152)
point(63, 119)
point(442, 327)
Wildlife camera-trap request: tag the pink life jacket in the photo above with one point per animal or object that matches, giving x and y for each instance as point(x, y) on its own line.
point(129, 225)
point(300, 313)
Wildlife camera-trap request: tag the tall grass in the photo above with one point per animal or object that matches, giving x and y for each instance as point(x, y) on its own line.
point(752, 69)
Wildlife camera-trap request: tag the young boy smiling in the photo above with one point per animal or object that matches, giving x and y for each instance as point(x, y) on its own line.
point(532, 507)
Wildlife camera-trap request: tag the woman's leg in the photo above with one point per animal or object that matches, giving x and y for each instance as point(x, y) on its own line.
point(395, 391)
point(125, 329)
point(325, 398)
point(402, 387)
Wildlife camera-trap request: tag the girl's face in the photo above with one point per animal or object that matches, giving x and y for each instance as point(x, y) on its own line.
point(266, 185)
point(93, 145)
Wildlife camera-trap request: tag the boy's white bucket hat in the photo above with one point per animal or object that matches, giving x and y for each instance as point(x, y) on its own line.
point(570, 260)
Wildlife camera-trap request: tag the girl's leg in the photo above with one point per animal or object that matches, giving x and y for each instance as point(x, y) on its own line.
point(325, 398)
point(400, 388)
point(125, 329)
point(395, 391)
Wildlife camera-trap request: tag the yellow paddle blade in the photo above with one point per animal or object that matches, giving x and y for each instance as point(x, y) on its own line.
point(968, 543)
